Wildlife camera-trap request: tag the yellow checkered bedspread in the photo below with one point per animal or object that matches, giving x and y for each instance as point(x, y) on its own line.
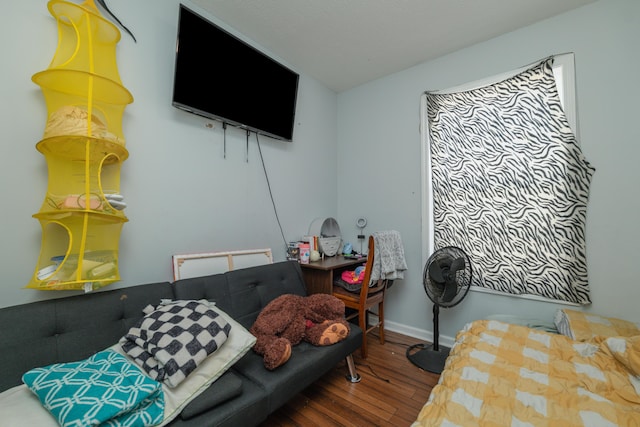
point(499, 374)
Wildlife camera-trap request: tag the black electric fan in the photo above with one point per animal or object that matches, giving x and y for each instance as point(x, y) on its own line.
point(446, 279)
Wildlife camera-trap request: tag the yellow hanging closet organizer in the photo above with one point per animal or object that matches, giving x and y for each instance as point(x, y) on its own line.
point(82, 213)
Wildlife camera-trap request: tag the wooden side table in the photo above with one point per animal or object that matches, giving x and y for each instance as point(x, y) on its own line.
point(319, 275)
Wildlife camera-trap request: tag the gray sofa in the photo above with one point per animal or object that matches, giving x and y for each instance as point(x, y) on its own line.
point(74, 328)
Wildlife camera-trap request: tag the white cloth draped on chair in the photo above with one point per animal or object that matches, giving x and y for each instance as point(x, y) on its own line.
point(388, 257)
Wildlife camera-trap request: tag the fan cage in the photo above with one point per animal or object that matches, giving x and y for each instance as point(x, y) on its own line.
point(463, 276)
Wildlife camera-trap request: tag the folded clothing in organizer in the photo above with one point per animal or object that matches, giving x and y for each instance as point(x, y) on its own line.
point(105, 389)
point(351, 280)
point(355, 276)
point(351, 287)
point(174, 338)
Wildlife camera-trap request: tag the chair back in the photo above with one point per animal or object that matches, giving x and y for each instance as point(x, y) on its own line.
point(367, 298)
point(369, 289)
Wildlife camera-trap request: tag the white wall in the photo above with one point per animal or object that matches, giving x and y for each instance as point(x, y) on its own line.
point(379, 144)
point(377, 173)
point(183, 196)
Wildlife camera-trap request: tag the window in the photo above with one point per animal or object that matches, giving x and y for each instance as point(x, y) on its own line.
point(507, 181)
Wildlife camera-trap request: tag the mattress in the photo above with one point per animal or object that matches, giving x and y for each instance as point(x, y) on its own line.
point(501, 374)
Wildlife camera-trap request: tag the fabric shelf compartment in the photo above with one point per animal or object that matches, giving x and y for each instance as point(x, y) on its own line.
point(83, 248)
point(82, 213)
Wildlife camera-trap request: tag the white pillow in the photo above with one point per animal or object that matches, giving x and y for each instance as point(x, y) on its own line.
point(239, 342)
point(19, 406)
point(582, 326)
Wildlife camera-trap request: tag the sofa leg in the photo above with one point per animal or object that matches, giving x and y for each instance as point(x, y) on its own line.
point(353, 374)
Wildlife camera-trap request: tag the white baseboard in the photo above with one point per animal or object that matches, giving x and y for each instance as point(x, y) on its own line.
point(410, 331)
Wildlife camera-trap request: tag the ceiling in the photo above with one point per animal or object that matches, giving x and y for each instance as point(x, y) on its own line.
point(344, 43)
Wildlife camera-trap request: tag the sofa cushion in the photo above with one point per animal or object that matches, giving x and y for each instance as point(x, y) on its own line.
point(224, 388)
point(249, 408)
point(306, 365)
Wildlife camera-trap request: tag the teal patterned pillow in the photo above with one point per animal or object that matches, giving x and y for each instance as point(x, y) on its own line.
point(105, 389)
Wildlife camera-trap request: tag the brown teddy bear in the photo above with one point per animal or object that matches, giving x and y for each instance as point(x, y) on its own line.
point(289, 319)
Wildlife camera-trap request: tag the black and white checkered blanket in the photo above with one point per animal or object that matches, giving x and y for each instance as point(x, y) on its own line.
point(172, 339)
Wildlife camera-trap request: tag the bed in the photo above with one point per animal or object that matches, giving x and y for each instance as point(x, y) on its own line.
point(503, 374)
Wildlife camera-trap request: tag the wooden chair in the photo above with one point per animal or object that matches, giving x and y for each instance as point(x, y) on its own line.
point(364, 300)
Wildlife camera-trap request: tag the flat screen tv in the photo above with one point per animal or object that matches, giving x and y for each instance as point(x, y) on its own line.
point(219, 76)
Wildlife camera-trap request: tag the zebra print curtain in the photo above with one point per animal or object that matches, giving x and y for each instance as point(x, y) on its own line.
point(510, 185)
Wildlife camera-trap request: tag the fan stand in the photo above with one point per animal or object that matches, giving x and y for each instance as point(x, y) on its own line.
point(430, 357)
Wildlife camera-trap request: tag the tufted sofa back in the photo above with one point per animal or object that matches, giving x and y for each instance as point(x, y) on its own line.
point(243, 293)
point(69, 329)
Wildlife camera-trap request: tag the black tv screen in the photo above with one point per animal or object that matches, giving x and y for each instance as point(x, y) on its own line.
point(218, 76)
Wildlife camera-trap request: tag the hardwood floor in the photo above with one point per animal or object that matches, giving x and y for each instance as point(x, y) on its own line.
point(391, 393)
